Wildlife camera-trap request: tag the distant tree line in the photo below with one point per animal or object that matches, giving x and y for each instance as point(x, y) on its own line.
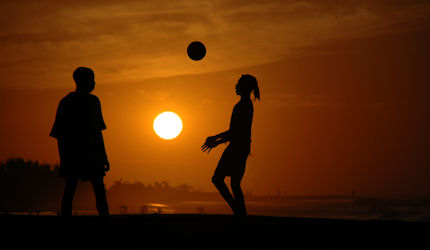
point(30, 186)
point(138, 193)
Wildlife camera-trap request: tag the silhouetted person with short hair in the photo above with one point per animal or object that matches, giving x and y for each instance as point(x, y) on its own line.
point(78, 129)
point(233, 160)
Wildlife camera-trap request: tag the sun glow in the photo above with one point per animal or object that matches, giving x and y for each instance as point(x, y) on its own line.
point(167, 125)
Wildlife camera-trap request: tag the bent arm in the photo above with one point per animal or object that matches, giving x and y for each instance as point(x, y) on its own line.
point(222, 137)
point(213, 141)
point(219, 138)
point(102, 149)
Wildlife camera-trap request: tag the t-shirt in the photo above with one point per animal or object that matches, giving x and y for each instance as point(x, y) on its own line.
point(78, 114)
point(78, 125)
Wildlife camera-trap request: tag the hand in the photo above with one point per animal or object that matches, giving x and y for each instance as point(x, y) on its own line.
point(207, 148)
point(209, 144)
point(211, 140)
point(107, 166)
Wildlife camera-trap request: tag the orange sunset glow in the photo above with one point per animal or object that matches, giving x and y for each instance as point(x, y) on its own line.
point(345, 91)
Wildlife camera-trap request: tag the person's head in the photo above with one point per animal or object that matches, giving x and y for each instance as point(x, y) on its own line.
point(246, 85)
point(84, 79)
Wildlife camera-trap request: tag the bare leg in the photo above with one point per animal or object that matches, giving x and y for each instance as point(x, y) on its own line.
point(225, 193)
point(238, 196)
point(100, 193)
point(69, 192)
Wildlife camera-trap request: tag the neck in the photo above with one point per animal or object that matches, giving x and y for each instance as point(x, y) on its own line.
point(81, 92)
point(245, 97)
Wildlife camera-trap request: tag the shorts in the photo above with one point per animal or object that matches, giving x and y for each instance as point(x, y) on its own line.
point(233, 160)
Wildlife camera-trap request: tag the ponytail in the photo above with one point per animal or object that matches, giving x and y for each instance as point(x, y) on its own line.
point(252, 85)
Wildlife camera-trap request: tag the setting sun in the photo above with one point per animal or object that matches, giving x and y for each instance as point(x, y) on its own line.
point(167, 125)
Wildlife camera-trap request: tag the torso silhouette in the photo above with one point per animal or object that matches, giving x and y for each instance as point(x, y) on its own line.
point(241, 121)
point(233, 159)
point(78, 127)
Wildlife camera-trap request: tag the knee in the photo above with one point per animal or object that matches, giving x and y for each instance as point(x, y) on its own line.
point(217, 180)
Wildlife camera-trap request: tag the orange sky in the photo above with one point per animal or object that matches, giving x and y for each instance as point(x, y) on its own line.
point(344, 88)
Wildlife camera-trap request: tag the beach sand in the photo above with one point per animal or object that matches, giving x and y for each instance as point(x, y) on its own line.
point(189, 231)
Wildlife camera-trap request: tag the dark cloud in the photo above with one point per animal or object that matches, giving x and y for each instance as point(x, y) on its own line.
point(154, 33)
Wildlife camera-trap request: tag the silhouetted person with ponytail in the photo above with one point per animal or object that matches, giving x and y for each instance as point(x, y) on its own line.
point(78, 129)
point(233, 160)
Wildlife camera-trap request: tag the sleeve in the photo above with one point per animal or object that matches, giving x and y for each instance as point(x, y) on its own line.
point(58, 126)
point(99, 122)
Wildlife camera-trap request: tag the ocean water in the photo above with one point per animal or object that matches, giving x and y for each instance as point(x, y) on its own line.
point(360, 208)
point(313, 209)
point(357, 208)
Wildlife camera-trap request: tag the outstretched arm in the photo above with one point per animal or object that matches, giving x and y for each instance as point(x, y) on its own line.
point(213, 141)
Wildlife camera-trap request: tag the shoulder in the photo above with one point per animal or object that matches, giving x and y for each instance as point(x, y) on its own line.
point(93, 99)
point(93, 96)
point(68, 98)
